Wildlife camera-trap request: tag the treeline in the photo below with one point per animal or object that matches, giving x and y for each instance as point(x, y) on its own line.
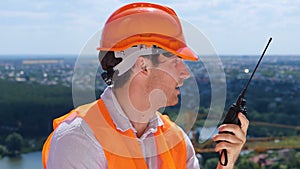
point(273, 102)
point(276, 102)
point(267, 101)
point(290, 159)
point(29, 109)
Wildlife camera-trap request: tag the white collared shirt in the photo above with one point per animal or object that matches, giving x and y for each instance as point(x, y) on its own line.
point(74, 145)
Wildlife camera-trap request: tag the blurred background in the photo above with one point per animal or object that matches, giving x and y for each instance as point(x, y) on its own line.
point(41, 40)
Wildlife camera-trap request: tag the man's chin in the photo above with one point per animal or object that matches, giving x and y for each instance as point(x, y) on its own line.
point(172, 103)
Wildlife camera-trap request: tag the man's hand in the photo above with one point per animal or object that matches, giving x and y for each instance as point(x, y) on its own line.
point(232, 143)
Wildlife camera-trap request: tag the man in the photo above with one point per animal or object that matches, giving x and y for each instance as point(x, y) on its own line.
point(142, 50)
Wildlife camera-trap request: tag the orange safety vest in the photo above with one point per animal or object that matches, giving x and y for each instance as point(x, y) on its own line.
point(121, 149)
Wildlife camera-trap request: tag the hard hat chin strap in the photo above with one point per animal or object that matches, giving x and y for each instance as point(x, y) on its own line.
point(129, 56)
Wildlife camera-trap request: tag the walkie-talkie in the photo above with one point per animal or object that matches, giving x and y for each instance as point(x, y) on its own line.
point(239, 106)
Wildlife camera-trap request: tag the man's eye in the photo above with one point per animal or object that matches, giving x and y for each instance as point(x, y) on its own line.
point(177, 60)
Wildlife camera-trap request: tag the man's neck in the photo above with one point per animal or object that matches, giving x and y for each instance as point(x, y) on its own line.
point(140, 128)
point(136, 108)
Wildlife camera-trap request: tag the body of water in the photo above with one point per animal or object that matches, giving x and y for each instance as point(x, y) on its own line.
point(26, 161)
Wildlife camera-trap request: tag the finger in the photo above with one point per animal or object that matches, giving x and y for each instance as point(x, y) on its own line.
point(235, 129)
point(224, 145)
point(244, 122)
point(228, 138)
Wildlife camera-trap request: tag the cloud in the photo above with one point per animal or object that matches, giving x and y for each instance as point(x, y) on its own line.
point(23, 14)
point(220, 20)
point(238, 12)
point(51, 26)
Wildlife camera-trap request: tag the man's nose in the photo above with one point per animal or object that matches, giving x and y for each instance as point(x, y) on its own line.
point(183, 71)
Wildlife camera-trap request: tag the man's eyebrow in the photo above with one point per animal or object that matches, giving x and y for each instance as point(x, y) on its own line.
point(168, 54)
point(173, 57)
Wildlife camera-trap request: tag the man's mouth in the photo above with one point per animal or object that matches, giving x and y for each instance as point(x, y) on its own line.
point(177, 89)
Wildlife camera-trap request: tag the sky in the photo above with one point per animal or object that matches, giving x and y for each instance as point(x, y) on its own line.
point(234, 27)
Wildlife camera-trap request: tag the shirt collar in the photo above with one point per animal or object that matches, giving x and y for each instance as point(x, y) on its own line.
point(118, 116)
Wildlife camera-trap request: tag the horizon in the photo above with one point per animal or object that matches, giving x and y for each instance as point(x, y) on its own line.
point(76, 56)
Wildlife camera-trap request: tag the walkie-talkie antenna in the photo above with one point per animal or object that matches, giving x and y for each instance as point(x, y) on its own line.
point(262, 55)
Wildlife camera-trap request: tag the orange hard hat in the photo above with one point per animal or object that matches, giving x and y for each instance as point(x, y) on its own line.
point(148, 24)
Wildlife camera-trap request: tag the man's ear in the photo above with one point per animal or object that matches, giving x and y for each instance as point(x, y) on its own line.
point(141, 65)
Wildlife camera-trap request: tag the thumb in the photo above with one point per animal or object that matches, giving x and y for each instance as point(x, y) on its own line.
point(244, 122)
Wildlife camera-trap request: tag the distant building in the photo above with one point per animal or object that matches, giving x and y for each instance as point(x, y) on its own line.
point(261, 160)
point(38, 61)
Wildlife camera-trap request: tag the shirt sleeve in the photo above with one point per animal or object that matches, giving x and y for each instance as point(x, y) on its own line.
point(191, 161)
point(72, 147)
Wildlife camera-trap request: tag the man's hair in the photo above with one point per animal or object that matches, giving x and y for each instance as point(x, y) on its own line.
point(109, 61)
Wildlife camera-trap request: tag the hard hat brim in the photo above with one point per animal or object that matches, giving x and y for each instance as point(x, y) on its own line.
point(186, 53)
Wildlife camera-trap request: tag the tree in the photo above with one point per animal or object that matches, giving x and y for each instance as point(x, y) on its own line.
point(294, 160)
point(2, 151)
point(275, 166)
point(245, 164)
point(211, 163)
point(14, 143)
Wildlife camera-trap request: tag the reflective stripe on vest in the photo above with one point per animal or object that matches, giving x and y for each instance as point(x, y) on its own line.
point(121, 149)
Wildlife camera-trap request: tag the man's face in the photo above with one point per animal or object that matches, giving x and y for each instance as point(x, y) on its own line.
point(166, 78)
